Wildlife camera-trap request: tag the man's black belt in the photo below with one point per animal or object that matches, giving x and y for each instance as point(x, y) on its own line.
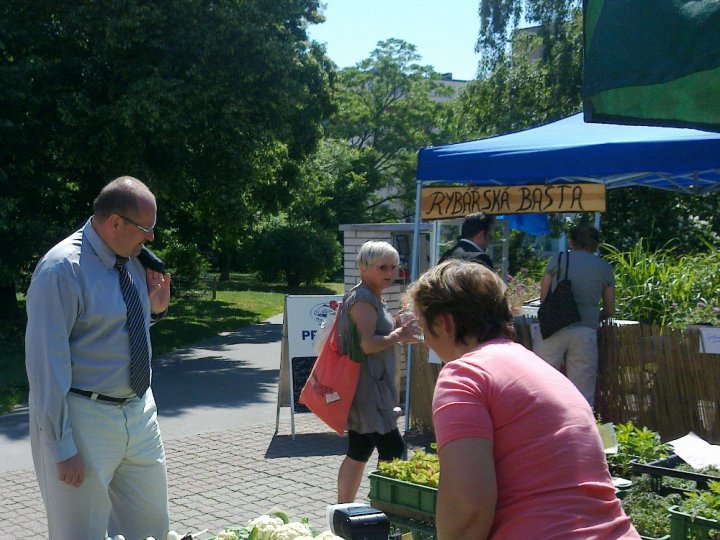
point(101, 397)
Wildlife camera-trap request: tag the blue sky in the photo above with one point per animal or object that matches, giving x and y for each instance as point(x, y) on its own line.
point(444, 31)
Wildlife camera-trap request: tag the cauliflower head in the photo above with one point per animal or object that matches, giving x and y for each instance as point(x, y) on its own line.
point(291, 531)
point(226, 534)
point(327, 535)
point(265, 525)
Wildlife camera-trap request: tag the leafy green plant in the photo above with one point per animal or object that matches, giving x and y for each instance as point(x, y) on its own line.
point(705, 504)
point(648, 510)
point(422, 468)
point(634, 443)
point(184, 260)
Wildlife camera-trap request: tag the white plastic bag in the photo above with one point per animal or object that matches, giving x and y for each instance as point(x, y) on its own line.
point(324, 331)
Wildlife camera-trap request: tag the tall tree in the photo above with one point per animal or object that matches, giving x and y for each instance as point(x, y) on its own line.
point(388, 108)
point(214, 104)
point(334, 188)
point(527, 77)
point(500, 19)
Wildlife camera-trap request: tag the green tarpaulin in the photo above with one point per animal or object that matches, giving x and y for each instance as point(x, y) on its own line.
point(652, 62)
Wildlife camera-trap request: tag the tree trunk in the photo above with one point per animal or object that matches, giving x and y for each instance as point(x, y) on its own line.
point(9, 312)
point(224, 267)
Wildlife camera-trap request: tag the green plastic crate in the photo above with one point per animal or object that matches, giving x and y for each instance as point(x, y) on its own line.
point(402, 498)
point(684, 527)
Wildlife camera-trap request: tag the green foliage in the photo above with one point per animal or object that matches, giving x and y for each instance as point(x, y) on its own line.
point(689, 485)
point(296, 252)
point(634, 443)
point(334, 188)
point(665, 288)
point(215, 106)
point(13, 378)
point(705, 504)
point(422, 468)
point(183, 260)
point(499, 20)
point(648, 510)
point(386, 112)
point(523, 257)
point(527, 77)
point(657, 217)
point(522, 287)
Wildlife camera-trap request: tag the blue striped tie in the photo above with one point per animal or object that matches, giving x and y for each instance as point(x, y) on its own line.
point(139, 354)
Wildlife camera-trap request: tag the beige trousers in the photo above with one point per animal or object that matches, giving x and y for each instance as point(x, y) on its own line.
point(125, 487)
point(575, 349)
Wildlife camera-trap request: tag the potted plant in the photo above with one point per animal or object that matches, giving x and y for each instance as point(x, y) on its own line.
point(697, 516)
point(407, 488)
point(634, 444)
point(647, 509)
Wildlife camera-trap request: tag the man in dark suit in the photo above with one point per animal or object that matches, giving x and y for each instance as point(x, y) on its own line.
point(475, 237)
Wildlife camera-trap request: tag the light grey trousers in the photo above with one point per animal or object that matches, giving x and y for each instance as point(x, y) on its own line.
point(125, 487)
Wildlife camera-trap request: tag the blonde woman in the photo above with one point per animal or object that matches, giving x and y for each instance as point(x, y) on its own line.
point(368, 332)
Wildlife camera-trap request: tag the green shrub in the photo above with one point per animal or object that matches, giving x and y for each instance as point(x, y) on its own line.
point(183, 260)
point(296, 252)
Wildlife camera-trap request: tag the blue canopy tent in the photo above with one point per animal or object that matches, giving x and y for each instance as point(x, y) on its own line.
point(572, 151)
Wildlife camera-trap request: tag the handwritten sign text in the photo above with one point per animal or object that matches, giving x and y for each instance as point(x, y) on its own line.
point(450, 202)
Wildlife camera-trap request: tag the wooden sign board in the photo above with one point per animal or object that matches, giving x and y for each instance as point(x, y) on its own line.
point(452, 202)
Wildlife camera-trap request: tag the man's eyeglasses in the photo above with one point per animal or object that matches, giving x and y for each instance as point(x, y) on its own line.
point(146, 230)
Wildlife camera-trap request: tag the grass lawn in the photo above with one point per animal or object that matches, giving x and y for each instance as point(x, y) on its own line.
point(194, 315)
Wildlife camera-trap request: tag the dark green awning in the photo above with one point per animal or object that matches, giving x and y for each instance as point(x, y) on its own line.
point(652, 62)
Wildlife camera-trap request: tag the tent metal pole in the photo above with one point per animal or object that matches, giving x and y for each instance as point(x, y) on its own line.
point(413, 277)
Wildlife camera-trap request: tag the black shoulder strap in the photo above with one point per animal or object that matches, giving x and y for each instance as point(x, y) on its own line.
point(557, 275)
point(567, 263)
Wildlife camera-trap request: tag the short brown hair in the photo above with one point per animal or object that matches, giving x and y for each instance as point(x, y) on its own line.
point(585, 237)
point(476, 223)
point(472, 294)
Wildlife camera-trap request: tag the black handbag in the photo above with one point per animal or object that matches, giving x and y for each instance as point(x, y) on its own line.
point(559, 308)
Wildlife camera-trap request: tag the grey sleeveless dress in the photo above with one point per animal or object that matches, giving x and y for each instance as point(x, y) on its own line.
point(376, 395)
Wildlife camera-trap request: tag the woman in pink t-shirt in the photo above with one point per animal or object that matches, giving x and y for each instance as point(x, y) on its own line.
point(520, 453)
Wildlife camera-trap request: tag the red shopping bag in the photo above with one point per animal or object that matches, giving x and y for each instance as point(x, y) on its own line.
point(330, 389)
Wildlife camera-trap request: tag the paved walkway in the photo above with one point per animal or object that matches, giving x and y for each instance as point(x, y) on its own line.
point(225, 463)
point(218, 479)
